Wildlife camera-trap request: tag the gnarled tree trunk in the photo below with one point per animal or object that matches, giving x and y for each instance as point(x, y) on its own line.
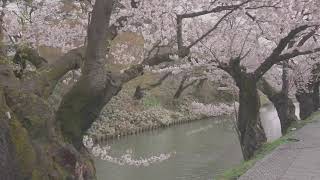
point(31, 138)
point(8, 161)
point(251, 132)
point(283, 104)
point(249, 128)
point(40, 142)
point(252, 135)
point(306, 104)
point(285, 109)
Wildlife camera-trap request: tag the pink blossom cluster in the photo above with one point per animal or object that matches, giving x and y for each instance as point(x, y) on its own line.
point(254, 29)
point(211, 110)
point(50, 23)
point(103, 152)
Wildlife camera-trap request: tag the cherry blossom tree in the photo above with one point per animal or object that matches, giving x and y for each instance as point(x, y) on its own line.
point(33, 134)
point(306, 80)
point(244, 27)
point(244, 38)
point(249, 39)
point(279, 94)
point(239, 65)
point(28, 22)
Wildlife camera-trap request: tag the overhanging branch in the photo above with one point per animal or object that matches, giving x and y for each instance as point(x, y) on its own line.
point(276, 56)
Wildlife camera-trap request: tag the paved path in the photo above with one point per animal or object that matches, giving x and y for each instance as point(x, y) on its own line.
point(291, 161)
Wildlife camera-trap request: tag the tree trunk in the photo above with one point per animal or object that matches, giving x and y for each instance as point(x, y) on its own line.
point(316, 96)
point(285, 109)
point(306, 104)
point(36, 142)
point(138, 94)
point(308, 97)
point(249, 127)
point(283, 104)
point(201, 83)
point(8, 161)
point(40, 143)
point(83, 103)
point(316, 84)
point(249, 124)
point(31, 145)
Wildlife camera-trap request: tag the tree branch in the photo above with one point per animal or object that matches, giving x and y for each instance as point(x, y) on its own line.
point(181, 48)
point(97, 38)
point(160, 81)
point(214, 10)
point(131, 73)
point(157, 59)
point(183, 87)
point(46, 78)
point(179, 32)
point(307, 36)
point(210, 31)
point(31, 55)
point(265, 87)
point(84, 102)
point(276, 56)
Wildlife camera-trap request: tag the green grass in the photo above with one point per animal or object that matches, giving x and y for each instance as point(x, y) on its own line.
point(150, 101)
point(236, 172)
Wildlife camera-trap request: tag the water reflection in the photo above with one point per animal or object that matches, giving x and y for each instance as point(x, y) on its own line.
point(297, 110)
point(270, 122)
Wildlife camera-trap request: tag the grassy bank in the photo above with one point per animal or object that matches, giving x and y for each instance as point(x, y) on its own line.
point(236, 172)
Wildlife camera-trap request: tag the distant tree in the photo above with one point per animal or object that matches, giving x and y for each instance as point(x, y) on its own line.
point(307, 82)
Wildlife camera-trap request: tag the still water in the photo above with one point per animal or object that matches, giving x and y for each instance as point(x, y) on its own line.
point(203, 150)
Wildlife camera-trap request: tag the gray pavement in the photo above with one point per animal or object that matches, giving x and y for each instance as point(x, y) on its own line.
point(291, 161)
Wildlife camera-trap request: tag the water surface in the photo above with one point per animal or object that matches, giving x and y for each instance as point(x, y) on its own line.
point(203, 150)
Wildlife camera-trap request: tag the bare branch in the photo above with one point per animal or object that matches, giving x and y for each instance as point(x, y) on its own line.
point(157, 59)
point(210, 31)
point(214, 10)
point(274, 6)
point(160, 81)
point(45, 79)
point(296, 53)
point(307, 36)
point(183, 87)
point(276, 56)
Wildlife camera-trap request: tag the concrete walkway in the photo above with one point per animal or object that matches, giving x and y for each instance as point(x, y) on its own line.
point(292, 161)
